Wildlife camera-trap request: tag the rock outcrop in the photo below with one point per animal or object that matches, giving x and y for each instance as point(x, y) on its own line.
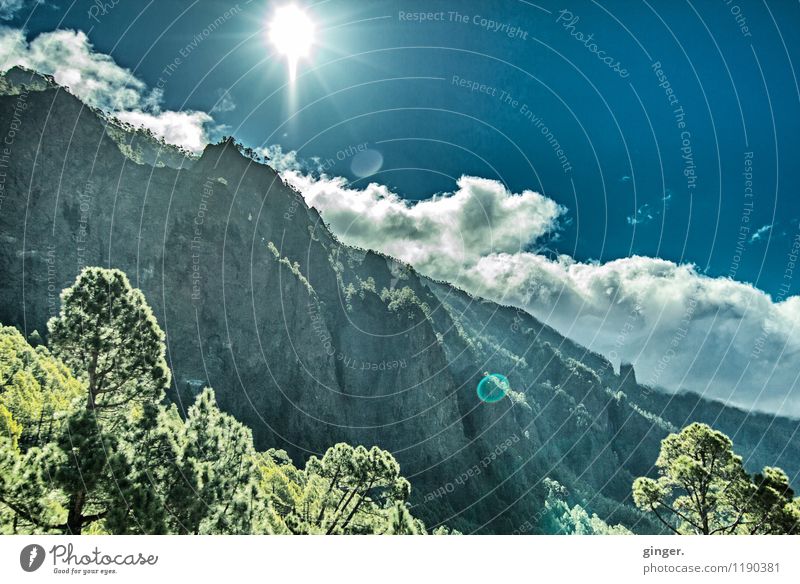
point(309, 341)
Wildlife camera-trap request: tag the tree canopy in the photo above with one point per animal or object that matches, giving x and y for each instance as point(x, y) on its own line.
point(703, 488)
point(89, 444)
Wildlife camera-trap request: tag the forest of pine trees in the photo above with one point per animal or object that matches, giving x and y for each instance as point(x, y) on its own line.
point(703, 489)
point(89, 444)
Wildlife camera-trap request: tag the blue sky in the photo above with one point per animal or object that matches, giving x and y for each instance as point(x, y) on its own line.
point(738, 94)
point(668, 131)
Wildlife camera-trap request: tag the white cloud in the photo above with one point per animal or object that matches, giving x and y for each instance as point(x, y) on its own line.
point(453, 230)
point(681, 329)
point(760, 233)
point(283, 161)
point(97, 80)
point(10, 8)
point(185, 129)
point(644, 214)
point(225, 102)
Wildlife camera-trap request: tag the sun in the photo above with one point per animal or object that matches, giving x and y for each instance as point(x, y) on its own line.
point(292, 33)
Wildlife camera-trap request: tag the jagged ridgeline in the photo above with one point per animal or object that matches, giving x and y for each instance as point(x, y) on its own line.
point(310, 342)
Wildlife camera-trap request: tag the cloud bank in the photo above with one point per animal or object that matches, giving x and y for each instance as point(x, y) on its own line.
point(98, 81)
point(456, 230)
point(681, 329)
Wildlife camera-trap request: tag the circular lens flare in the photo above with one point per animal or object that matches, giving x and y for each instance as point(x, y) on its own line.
point(292, 33)
point(492, 388)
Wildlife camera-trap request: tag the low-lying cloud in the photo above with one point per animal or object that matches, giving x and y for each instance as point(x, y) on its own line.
point(455, 230)
point(99, 81)
point(681, 329)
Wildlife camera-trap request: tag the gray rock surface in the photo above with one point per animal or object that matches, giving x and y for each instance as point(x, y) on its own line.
point(311, 342)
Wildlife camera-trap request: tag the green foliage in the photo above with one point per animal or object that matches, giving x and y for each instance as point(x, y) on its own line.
point(215, 489)
point(28, 503)
point(100, 452)
point(294, 268)
point(9, 427)
point(401, 522)
point(444, 530)
point(360, 290)
point(703, 489)
point(350, 491)
point(404, 300)
point(90, 467)
point(34, 387)
point(561, 519)
point(772, 508)
point(106, 332)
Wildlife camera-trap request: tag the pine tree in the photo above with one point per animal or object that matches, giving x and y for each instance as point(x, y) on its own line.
point(154, 441)
point(92, 467)
point(772, 508)
point(359, 487)
point(558, 518)
point(87, 445)
point(218, 491)
point(34, 387)
point(36, 392)
point(704, 489)
point(106, 332)
point(28, 502)
point(401, 522)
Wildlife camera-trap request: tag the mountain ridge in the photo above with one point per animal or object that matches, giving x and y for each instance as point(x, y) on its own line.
point(310, 341)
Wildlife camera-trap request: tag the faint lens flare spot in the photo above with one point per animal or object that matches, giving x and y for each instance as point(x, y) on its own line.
point(366, 163)
point(292, 33)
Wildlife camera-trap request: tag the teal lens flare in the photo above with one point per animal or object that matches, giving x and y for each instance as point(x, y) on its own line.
point(493, 388)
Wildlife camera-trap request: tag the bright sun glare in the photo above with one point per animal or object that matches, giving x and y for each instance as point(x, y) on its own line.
point(292, 33)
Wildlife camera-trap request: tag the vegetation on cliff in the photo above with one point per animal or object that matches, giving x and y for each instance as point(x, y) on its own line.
point(88, 443)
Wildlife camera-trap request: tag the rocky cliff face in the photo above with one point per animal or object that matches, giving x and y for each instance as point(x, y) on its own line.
point(309, 341)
